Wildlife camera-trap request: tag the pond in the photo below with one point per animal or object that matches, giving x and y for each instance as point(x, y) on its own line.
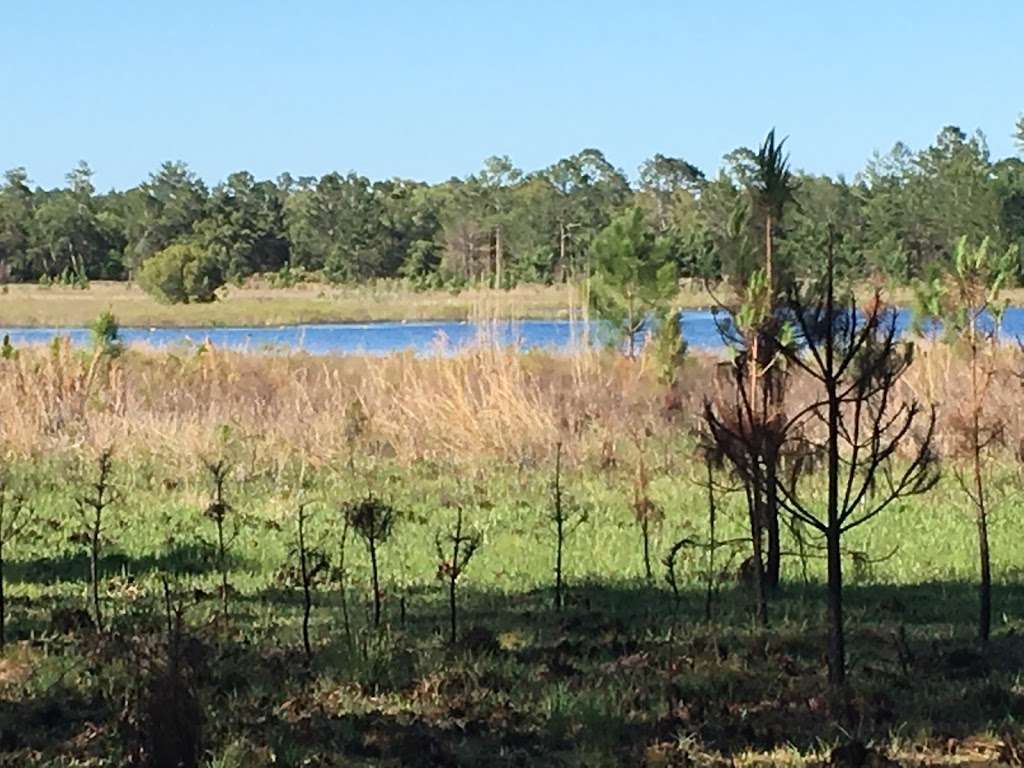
point(423, 338)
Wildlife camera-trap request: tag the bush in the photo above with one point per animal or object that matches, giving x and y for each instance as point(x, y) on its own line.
point(181, 274)
point(106, 334)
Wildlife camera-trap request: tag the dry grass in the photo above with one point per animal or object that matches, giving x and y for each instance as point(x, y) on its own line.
point(258, 305)
point(486, 402)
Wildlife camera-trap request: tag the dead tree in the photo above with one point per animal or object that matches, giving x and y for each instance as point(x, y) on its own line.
point(858, 421)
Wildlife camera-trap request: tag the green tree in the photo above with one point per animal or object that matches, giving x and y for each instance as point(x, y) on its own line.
point(244, 228)
point(634, 277)
point(590, 191)
point(957, 196)
point(16, 214)
point(496, 181)
point(182, 273)
point(410, 220)
point(74, 239)
point(162, 211)
point(664, 181)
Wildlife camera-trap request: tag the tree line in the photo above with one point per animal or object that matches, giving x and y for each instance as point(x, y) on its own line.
point(903, 214)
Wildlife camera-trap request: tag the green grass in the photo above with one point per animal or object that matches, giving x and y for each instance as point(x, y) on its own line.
point(624, 676)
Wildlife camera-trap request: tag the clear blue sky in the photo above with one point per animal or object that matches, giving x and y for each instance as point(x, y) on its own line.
point(427, 90)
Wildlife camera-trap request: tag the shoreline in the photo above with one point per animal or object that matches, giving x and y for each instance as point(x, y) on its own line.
point(25, 306)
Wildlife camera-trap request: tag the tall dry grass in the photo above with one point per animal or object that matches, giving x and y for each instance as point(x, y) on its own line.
point(487, 403)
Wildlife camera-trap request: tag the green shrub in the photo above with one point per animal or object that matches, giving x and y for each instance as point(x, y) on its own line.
point(106, 334)
point(181, 274)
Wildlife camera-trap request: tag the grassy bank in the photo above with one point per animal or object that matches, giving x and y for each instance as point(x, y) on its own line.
point(629, 673)
point(32, 305)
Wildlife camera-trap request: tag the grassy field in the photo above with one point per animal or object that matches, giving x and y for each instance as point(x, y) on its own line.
point(33, 305)
point(626, 674)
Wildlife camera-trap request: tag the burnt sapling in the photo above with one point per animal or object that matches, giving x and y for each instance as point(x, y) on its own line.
point(373, 521)
point(565, 517)
point(455, 549)
point(647, 513)
point(312, 562)
point(163, 718)
point(226, 524)
point(877, 444)
point(968, 301)
point(714, 572)
point(92, 507)
point(342, 577)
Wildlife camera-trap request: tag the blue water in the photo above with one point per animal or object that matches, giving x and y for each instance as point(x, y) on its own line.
point(699, 329)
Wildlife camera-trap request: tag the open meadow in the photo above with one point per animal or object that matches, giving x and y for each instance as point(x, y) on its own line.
point(194, 633)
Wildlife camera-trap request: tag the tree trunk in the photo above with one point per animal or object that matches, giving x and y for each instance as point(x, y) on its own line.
point(836, 639)
point(712, 514)
point(3, 601)
point(498, 259)
point(376, 583)
point(981, 508)
point(559, 527)
point(343, 578)
point(645, 528)
point(94, 575)
point(558, 563)
point(833, 532)
point(760, 595)
point(773, 563)
point(985, 585)
point(222, 563)
point(307, 598)
point(452, 606)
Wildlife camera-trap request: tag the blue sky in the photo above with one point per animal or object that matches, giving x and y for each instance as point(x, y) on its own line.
point(427, 90)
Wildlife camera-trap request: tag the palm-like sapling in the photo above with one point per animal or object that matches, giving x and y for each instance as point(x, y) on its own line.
point(565, 517)
point(454, 551)
point(373, 521)
point(745, 425)
point(92, 505)
point(14, 516)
